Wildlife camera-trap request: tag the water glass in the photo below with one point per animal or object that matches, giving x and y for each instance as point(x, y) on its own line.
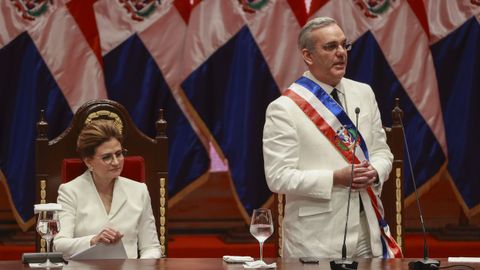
point(261, 226)
point(48, 225)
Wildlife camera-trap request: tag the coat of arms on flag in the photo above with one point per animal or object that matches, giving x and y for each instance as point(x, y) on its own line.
point(30, 10)
point(140, 9)
point(374, 8)
point(251, 6)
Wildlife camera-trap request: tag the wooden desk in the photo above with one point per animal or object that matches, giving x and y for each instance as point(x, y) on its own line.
point(217, 263)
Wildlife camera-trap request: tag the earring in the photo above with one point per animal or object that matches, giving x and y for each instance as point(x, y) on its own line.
point(90, 168)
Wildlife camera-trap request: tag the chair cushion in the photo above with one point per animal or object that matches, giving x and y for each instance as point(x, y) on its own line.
point(133, 168)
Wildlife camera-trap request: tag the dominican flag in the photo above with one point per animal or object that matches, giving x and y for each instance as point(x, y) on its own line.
point(215, 65)
point(39, 70)
point(142, 49)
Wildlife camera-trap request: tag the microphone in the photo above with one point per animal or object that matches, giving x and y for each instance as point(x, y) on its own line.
point(426, 263)
point(344, 263)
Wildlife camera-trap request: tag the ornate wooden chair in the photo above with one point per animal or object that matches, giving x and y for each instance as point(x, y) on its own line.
point(392, 191)
point(57, 160)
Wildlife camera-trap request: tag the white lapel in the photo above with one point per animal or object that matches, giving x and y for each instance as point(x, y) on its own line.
point(119, 198)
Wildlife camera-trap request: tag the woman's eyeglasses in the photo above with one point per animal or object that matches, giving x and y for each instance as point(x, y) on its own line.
point(119, 155)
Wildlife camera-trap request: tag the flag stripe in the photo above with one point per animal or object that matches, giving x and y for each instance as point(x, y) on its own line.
point(83, 13)
point(71, 60)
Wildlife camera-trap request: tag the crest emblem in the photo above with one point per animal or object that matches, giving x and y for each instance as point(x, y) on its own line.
point(32, 9)
point(374, 8)
point(140, 9)
point(251, 6)
point(345, 138)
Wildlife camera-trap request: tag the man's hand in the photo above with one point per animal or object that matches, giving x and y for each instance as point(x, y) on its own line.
point(107, 236)
point(364, 175)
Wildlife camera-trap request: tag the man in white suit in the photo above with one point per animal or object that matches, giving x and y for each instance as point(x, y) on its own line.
point(308, 140)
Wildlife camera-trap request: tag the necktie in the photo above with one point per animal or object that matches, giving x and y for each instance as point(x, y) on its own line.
point(334, 95)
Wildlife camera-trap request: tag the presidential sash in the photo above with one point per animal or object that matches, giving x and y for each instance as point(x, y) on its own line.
point(337, 127)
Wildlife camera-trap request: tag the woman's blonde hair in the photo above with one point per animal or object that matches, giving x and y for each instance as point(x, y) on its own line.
point(94, 134)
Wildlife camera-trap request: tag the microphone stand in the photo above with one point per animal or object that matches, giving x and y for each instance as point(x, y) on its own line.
point(344, 263)
point(426, 263)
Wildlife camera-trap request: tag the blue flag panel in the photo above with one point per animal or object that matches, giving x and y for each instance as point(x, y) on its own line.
point(133, 79)
point(27, 87)
point(231, 91)
point(457, 63)
point(368, 64)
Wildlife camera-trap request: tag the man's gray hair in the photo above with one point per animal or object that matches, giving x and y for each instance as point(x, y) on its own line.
point(305, 40)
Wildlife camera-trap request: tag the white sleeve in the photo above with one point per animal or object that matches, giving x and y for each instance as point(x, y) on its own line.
point(381, 157)
point(281, 156)
point(65, 241)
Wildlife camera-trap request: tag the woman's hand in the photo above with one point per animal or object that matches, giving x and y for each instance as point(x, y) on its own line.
point(107, 236)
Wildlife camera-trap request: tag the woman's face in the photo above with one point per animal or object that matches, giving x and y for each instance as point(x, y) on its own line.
point(107, 162)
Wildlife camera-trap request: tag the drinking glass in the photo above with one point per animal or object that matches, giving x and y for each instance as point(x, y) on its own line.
point(261, 226)
point(48, 226)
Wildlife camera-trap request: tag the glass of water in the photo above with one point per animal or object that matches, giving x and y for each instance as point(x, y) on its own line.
point(261, 226)
point(48, 226)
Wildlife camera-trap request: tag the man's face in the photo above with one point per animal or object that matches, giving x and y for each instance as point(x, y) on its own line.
point(327, 61)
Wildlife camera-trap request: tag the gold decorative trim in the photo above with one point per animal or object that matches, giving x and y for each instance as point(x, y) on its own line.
point(280, 224)
point(104, 114)
point(43, 191)
point(162, 215)
point(399, 206)
point(43, 199)
point(43, 243)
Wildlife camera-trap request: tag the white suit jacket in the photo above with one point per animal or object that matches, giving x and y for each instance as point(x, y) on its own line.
point(299, 162)
point(84, 216)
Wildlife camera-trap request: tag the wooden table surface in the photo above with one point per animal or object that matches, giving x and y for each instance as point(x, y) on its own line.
point(218, 263)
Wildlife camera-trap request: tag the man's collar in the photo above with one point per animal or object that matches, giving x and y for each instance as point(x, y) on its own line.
point(326, 87)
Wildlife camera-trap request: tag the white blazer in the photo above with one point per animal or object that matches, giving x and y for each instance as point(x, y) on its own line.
point(299, 162)
point(84, 216)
